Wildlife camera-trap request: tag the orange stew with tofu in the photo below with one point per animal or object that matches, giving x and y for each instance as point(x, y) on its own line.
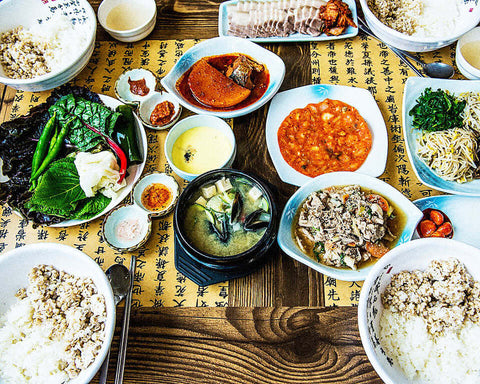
point(326, 137)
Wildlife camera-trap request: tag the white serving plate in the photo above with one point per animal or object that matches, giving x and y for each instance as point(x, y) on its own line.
point(350, 31)
point(463, 212)
point(221, 46)
point(285, 102)
point(15, 266)
point(134, 171)
point(416, 254)
point(413, 89)
point(285, 237)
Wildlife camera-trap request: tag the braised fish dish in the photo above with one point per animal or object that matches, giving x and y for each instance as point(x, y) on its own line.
point(224, 82)
point(346, 226)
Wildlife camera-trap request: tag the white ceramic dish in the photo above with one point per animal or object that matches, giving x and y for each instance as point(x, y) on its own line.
point(224, 45)
point(161, 178)
point(122, 85)
point(288, 245)
point(467, 69)
point(131, 35)
point(126, 213)
point(32, 12)
point(147, 106)
point(198, 121)
point(15, 266)
point(414, 255)
point(463, 212)
point(285, 102)
point(296, 37)
point(470, 16)
point(414, 87)
point(134, 171)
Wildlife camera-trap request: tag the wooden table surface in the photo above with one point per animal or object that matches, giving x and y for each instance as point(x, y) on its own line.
point(276, 329)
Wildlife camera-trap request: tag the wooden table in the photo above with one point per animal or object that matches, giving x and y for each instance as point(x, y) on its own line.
point(276, 329)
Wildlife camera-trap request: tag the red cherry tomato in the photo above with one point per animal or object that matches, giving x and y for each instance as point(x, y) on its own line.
point(427, 227)
point(445, 228)
point(437, 217)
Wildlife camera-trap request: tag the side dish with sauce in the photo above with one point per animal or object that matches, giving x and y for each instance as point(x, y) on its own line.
point(325, 137)
point(346, 226)
point(224, 82)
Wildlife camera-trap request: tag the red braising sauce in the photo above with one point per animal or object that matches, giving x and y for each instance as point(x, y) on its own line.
point(222, 62)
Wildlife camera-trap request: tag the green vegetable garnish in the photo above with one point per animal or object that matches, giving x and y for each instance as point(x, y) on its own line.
point(318, 250)
point(437, 111)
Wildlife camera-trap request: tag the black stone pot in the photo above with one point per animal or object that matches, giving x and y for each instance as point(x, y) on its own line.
point(203, 268)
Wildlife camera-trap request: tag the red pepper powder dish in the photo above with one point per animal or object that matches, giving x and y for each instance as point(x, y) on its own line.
point(325, 137)
point(162, 113)
point(156, 197)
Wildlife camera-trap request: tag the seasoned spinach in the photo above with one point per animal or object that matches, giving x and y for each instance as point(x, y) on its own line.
point(437, 111)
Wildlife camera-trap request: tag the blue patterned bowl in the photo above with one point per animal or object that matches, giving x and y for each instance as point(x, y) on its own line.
point(416, 254)
point(287, 242)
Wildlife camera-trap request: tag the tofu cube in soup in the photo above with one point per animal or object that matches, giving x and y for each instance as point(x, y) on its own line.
point(208, 191)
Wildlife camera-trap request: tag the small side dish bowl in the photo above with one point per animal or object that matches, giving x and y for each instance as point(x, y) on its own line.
point(285, 233)
point(127, 227)
point(33, 13)
point(255, 250)
point(285, 102)
point(222, 46)
point(147, 106)
point(190, 147)
point(465, 67)
point(15, 266)
point(147, 16)
point(414, 255)
point(169, 192)
point(469, 18)
point(123, 87)
point(414, 87)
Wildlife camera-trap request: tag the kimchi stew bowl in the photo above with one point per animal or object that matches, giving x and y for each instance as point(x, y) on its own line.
point(212, 80)
point(347, 116)
point(404, 214)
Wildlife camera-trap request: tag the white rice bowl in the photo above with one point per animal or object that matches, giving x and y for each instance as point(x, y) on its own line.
point(446, 356)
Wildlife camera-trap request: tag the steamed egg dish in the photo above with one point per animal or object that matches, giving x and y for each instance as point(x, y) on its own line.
point(201, 149)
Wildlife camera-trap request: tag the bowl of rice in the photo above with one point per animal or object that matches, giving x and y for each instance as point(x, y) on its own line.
point(57, 315)
point(420, 25)
point(44, 44)
point(419, 313)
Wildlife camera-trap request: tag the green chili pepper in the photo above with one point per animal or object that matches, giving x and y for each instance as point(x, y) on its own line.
point(42, 145)
point(52, 154)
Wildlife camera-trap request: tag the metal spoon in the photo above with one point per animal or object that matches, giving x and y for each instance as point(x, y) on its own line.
point(435, 70)
point(119, 277)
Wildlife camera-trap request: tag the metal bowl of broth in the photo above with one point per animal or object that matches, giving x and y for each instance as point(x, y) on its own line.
point(226, 219)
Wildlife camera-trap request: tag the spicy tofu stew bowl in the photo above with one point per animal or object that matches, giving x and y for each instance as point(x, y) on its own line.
point(340, 223)
point(226, 219)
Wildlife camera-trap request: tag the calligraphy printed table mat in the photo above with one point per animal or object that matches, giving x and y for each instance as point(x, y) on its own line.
point(157, 282)
point(365, 62)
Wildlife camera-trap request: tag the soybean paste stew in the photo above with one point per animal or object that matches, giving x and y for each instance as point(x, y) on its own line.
point(346, 226)
point(227, 217)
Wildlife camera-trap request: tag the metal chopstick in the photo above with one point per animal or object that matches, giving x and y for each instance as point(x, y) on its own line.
point(365, 29)
point(122, 352)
